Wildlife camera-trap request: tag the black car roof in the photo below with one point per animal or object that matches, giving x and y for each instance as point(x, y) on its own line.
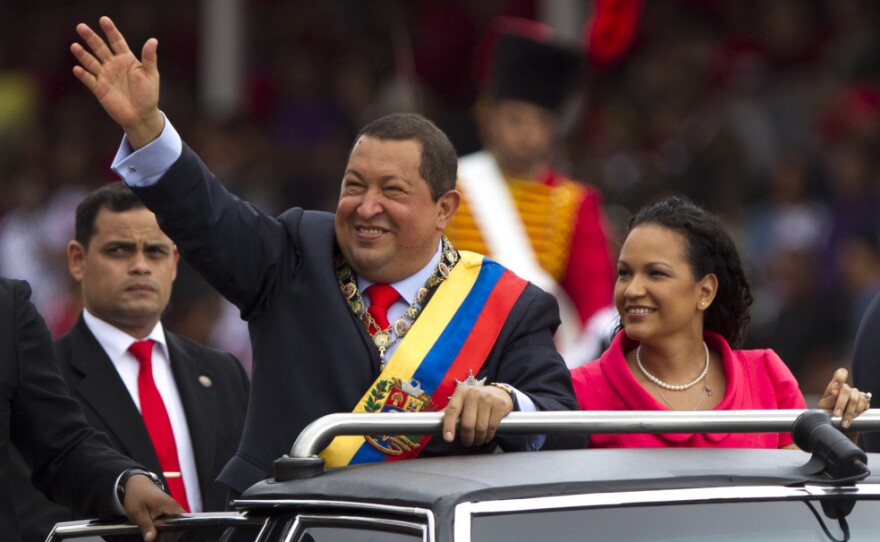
point(440, 483)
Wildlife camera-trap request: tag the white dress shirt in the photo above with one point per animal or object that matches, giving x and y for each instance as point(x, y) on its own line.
point(116, 343)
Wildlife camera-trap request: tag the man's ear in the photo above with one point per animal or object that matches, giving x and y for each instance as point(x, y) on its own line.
point(447, 206)
point(76, 260)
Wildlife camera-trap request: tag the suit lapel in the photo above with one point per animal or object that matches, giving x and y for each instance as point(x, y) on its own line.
point(194, 383)
point(101, 388)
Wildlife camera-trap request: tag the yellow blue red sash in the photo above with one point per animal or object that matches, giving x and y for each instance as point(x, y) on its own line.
point(451, 338)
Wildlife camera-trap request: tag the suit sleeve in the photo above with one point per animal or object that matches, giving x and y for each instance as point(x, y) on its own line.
point(530, 363)
point(72, 463)
point(239, 249)
point(866, 366)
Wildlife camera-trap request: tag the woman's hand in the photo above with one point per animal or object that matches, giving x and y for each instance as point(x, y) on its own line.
point(843, 400)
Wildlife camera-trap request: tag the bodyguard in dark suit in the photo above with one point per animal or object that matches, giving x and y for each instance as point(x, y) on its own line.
point(303, 282)
point(126, 266)
point(70, 461)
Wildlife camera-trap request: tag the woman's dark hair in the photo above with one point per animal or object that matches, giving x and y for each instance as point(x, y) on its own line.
point(708, 249)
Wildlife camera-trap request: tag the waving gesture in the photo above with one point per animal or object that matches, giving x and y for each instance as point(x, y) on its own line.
point(128, 89)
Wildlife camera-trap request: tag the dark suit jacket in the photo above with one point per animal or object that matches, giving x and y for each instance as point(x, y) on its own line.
point(214, 414)
point(71, 462)
point(312, 356)
point(866, 364)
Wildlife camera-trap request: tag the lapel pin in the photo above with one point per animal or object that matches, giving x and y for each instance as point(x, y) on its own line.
point(205, 381)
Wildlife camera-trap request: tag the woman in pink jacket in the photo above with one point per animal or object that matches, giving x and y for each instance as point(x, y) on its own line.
point(683, 302)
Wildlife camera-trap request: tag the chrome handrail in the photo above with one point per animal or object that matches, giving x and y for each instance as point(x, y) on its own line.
point(96, 529)
point(318, 434)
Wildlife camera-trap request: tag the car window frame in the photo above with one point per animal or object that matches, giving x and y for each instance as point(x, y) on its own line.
point(354, 509)
point(304, 521)
point(466, 512)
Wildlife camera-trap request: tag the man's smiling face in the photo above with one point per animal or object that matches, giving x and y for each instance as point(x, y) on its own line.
point(387, 224)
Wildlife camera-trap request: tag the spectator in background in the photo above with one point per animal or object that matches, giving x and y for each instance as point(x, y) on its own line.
point(858, 263)
point(126, 266)
point(517, 207)
point(782, 241)
point(790, 215)
point(797, 319)
point(852, 180)
point(33, 235)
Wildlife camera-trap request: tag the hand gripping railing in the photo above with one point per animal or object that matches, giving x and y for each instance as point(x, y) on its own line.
point(317, 435)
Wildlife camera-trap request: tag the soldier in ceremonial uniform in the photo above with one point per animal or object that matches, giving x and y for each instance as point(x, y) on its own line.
point(517, 208)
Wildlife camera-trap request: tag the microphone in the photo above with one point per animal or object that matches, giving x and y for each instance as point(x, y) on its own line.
point(834, 456)
point(842, 459)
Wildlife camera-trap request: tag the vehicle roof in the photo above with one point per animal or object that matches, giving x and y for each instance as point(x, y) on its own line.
point(440, 483)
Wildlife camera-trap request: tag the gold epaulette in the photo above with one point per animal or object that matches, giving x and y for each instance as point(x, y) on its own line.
point(549, 214)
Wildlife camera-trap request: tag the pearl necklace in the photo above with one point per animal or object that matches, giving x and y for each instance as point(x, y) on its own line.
point(672, 387)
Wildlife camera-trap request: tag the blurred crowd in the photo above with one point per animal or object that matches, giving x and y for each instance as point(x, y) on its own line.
point(765, 111)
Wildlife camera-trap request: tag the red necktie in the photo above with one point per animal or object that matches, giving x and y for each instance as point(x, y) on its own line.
point(157, 421)
point(381, 297)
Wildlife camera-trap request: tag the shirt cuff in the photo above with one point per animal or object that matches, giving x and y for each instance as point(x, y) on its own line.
point(524, 403)
point(145, 166)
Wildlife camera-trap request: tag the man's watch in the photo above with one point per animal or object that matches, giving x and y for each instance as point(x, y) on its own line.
point(128, 473)
point(508, 388)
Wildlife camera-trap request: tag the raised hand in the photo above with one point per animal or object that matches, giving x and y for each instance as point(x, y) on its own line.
point(127, 88)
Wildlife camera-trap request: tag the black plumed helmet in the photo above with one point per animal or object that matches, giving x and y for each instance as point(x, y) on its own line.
point(532, 67)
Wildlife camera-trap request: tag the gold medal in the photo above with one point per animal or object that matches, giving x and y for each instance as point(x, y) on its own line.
point(422, 296)
point(381, 339)
point(349, 290)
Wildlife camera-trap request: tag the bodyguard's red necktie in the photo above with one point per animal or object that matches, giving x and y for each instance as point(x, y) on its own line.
point(157, 422)
point(381, 297)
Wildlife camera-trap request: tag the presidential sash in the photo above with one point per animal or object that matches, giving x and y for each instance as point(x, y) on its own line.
point(489, 198)
point(451, 339)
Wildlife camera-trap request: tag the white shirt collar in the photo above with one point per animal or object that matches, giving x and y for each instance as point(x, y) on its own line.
point(117, 342)
point(409, 287)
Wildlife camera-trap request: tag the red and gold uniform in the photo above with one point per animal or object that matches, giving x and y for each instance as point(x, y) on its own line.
point(566, 228)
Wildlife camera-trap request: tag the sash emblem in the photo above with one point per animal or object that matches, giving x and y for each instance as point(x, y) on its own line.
point(396, 395)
